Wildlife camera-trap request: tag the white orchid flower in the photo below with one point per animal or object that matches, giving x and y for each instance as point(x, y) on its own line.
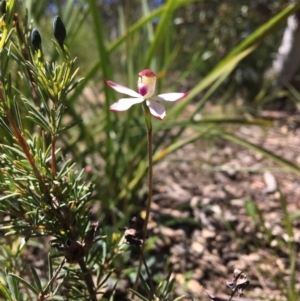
point(146, 88)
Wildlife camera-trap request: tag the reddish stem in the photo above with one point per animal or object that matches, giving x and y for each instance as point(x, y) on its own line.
point(21, 141)
point(53, 162)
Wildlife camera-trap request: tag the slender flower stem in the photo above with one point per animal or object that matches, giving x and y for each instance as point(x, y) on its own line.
point(150, 182)
point(150, 188)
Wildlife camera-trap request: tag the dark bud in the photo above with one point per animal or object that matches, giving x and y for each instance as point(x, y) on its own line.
point(3, 6)
point(36, 39)
point(59, 30)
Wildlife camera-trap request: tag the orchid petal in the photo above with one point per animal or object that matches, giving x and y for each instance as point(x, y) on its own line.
point(122, 89)
point(169, 96)
point(124, 104)
point(157, 110)
point(143, 90)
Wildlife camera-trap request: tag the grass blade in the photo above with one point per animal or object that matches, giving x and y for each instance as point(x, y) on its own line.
point(4, 291)
point(23, 281)
point(267, 154)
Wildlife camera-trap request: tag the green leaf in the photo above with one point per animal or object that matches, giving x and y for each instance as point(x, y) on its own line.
point(15, 150)
point(9, 196)
point(146, 287)
point(6, 127)
point(224, 67)
point(36, 278)
point(61, 282)
point(24, 282)
point(5, 292)
point(13, 287)
point(138, 295)
point(258, 35)
point(227, 65)
point(251, 209)
point(67, 127)
point(161, 29)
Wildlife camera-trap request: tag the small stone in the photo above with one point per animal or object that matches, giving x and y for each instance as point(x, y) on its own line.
point(197, 248)
point(194, 287)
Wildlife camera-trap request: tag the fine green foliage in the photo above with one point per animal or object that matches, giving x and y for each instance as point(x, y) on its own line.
point(41, 192)
point(67, 162)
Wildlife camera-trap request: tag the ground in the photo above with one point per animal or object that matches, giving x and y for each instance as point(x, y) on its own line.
point(218, 207)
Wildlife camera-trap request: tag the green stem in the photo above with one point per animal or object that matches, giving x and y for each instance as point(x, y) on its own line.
point(150, 182)
point(150, 188)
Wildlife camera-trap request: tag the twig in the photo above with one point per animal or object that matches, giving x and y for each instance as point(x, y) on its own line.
point(53, 157)
point(42, 295)
point(88, 279)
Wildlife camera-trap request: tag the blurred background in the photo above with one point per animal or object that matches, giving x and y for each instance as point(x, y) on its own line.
point(223, 52)
point(199, 35)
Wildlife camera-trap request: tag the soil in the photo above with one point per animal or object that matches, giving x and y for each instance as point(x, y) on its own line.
point(218, 207)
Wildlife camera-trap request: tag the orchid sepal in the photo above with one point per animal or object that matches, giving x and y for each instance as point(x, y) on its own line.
point(157, 110)
point(122, 89)
point(146, 87)
point(124, 104)
point(169, 96)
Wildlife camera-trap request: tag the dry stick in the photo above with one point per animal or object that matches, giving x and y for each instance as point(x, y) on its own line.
point(150, 188)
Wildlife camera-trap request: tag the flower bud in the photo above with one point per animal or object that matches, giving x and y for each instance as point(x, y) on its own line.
point(36, 39)
point(59, 30)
